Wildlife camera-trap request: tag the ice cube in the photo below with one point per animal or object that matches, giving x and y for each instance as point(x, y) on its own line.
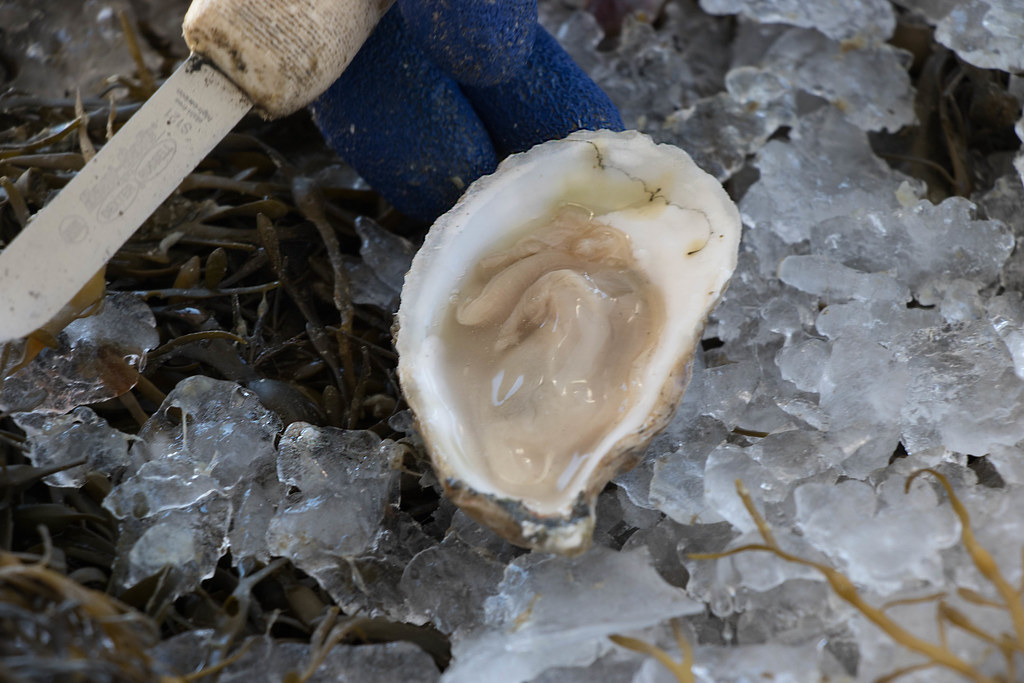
point(719, 132)
point(867, 81)
point(835, 282)
point(57, 440)
point(986, 33)
point(826, 170)
point(955, 372)
point(200, 452)
point(448, 583)
point(920, 245)
point(862, 392)
point(557, 611)
point(873, 19)
point(97, 357)
point(340, 484)
point(884, 540)
point(387, 254)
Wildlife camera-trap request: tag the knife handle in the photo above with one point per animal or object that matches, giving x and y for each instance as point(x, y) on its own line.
point(282, 53)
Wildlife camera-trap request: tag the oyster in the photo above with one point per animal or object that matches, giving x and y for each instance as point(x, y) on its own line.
point(548, 323)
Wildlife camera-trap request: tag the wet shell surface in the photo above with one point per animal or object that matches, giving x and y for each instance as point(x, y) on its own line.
point(548, 324)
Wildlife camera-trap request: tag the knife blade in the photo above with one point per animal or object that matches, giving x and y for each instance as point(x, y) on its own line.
point(276, 55)
point(93, 215)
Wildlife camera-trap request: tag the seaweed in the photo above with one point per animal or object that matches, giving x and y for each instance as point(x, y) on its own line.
point(682, 670)
point(53, 628)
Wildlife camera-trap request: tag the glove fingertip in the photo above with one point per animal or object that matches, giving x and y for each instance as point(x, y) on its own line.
point(550, 98)
point(404, 126)
point(476, 43)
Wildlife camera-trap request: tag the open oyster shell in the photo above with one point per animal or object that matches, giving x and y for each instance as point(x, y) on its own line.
point(548, 323)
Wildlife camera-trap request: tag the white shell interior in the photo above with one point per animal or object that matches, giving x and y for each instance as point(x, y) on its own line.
point(684, 232)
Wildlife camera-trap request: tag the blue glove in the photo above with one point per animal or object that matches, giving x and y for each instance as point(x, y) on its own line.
point(443, 89)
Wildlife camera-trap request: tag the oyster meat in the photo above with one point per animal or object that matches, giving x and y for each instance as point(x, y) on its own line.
point(548, 323)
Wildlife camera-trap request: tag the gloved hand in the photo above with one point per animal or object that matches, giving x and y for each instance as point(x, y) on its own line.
point(445, 88)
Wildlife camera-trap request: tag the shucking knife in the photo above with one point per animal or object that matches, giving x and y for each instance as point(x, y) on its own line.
point(274, 55)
